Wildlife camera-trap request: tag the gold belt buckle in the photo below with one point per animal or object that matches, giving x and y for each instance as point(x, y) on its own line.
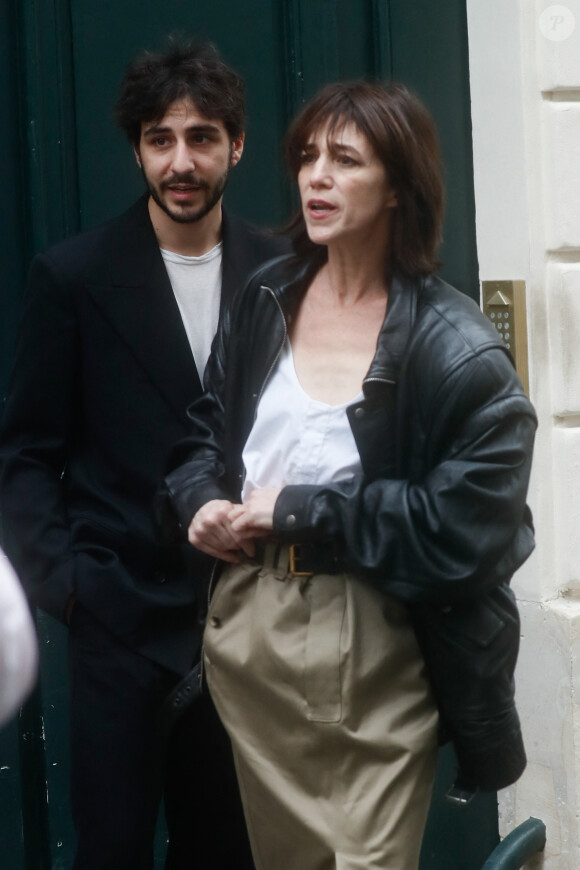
point(293, 558)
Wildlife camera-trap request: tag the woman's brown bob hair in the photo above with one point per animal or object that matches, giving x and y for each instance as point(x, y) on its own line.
point(403, 136)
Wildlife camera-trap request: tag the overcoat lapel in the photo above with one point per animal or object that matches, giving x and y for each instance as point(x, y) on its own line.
point(140, 305)
point(240, 256)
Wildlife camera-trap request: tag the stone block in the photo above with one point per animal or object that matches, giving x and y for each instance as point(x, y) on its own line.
point(562, 175)
point(558, 39)
point(564, 337)
point(566, 478)
point(547, 679)
point(497, 115)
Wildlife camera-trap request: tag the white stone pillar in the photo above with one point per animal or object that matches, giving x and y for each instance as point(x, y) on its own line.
point(525, 88)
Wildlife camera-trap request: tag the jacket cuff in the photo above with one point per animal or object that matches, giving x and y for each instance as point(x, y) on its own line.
point(291, 514)
point(182, 506)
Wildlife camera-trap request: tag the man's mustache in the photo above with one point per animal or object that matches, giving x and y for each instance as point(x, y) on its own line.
point(187, 179)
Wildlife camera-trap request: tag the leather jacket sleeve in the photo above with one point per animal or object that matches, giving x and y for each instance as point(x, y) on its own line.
point(198, 460)
point(447, 531)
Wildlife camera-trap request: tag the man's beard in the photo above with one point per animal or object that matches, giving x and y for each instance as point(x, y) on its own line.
point(214, 195)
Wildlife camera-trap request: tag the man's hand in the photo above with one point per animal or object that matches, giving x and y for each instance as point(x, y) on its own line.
point(212, 532)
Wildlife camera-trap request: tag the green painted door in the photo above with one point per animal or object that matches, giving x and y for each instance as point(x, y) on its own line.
point(69, 168)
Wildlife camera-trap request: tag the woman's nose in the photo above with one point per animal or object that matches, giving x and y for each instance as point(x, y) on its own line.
point(320, 173)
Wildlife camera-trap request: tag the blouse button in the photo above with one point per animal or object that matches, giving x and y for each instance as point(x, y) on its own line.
point(290, 520)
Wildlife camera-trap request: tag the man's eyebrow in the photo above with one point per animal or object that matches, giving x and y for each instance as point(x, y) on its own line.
point(205, 129)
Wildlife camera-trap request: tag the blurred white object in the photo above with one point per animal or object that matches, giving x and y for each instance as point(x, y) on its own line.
point(18, 646)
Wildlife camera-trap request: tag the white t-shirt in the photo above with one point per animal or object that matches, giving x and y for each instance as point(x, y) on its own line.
point(196, 283)
point(296, 439)
point(18, 648)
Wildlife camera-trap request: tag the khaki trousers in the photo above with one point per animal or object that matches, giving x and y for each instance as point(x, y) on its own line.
point(319, 682)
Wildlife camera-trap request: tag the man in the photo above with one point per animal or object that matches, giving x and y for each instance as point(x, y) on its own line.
point(116, 332)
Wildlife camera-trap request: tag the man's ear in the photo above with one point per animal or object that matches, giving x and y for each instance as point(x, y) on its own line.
point(137, 156)
point(237, 148)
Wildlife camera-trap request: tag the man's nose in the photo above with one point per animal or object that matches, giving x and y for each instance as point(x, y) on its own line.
point(182, 158)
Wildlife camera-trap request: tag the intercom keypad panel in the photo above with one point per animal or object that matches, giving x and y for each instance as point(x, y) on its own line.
point(504, 302)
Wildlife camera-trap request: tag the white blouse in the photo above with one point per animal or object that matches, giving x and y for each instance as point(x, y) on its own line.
point(296, 439)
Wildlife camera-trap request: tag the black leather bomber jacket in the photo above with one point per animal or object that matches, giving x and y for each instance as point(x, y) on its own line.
point(438, 517)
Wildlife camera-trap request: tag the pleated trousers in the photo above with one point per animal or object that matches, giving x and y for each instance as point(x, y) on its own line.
point(320, 683)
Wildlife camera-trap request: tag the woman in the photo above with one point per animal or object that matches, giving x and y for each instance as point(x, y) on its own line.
point(361, 460)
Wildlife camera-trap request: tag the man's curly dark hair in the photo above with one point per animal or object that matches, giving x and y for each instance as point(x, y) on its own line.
point(186, 71)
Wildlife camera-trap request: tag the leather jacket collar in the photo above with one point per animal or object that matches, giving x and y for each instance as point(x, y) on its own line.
point(294, 277)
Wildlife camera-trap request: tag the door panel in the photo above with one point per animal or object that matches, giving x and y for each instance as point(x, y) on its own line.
point(12, 237)
point(13, 255)
point(429, 54)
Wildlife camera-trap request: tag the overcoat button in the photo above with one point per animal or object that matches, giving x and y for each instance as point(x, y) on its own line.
point(359, 412)
point(290, 520)
point(215, 621)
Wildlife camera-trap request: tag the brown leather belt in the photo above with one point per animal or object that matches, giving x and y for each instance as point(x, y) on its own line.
point(302, 560)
